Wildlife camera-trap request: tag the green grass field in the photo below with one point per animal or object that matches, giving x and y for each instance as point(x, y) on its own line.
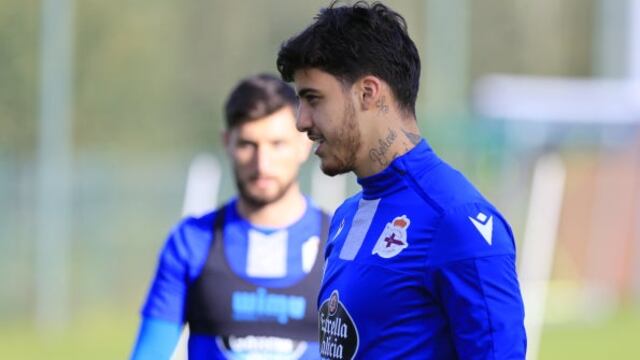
point(108, 335)
point(97, 336)
point(616, 338)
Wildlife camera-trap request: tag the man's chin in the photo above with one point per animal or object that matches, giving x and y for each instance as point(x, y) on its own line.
point(257, 198)
point(261, 197)
point(258, 201)
point(333, 169)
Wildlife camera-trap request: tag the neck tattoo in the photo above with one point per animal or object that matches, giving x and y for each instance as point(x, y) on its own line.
point(379, 153)
point(382, 106)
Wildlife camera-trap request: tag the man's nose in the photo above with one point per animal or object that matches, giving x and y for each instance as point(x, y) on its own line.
point(303, 118)
point(263, 159)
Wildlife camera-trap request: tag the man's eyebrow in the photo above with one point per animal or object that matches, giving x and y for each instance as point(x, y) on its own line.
point(246, 140)
point(305, 91)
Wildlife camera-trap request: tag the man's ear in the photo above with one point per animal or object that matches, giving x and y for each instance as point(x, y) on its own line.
point(369, 91)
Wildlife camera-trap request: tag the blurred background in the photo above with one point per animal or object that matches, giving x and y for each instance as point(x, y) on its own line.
point(105, 104)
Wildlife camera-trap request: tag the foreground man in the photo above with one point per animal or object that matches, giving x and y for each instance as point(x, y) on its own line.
point(245, 277)
point(419, 264)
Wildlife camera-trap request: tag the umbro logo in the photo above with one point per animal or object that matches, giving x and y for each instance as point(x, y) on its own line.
point(484, 226)
point(339, 230)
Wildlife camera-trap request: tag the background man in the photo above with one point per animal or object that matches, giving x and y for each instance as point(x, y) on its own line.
point(419, 264)
point(245, 277)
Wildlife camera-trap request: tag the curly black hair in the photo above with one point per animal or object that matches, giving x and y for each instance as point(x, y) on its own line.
point(349, 42)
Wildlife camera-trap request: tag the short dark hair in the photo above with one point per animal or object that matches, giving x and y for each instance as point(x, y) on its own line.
point(349, 42)
point(256, 97)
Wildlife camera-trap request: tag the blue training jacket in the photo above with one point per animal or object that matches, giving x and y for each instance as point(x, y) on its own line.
point(419, 265)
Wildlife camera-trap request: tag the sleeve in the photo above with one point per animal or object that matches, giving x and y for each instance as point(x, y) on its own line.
point(472, 273)
point(167, 294)
point(157, 339)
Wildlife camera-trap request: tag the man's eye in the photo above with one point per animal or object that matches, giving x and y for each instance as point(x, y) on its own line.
point(244, 145)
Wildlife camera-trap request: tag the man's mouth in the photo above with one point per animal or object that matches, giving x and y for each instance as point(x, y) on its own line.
point(262, 181)
point(318, 140)
point(315, 137)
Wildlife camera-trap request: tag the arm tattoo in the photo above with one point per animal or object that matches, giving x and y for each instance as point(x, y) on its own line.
point(379, 153)
point(382, 106)
point(414, 138)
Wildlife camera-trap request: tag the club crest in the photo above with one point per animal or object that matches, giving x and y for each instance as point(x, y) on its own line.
point(393, 238)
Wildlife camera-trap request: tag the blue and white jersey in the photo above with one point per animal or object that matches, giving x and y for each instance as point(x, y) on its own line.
point(248, 292)
point(420, 266)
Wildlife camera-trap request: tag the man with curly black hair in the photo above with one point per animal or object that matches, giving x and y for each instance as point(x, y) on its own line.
point(419, 265)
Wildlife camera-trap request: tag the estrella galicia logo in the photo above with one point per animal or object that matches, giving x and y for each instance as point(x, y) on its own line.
point(338, 332)
point(263, 306)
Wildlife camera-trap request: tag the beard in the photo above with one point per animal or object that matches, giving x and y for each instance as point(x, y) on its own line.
point(345, 147)
point(257, 200)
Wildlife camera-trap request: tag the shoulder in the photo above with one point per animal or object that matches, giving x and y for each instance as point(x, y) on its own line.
point(192, 228)
point(471, 230)
point(310, 224)
point(445, 188)
point(196, 224)
point(467, 225)
point(189, 237)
